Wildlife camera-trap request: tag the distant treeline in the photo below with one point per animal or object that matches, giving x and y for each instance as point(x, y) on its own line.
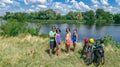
point(99, 17)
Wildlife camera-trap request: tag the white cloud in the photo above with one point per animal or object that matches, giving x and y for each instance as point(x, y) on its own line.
point(61, 8)
point(96, 6)
point(7, 1)
point(82, 4)
point(113, 9)
point(42, 6)
point(73, 1)
point(118, 1)
point(2, 5)
point(76, 6)
point(67, 0)
point(95, 1)
point(65, 8)
point(110, 8)
point(32, 6)
point(31, 10)
point(104, 2)
point(35, 1)
point(15, 3)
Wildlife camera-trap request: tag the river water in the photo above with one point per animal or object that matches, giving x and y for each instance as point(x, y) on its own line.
point(85, 30)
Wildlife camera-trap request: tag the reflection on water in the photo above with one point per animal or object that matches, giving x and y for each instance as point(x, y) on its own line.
point(85, 30)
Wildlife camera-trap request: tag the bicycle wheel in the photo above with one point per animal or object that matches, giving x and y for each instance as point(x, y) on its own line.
point(102, 60)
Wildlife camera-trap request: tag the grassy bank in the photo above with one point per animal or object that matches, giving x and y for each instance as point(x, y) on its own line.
point(56, 21)
point(33, 51)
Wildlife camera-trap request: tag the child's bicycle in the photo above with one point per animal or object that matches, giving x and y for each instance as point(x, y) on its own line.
point(97, 54)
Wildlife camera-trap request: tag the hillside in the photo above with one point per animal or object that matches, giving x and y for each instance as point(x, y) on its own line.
point(33, 51)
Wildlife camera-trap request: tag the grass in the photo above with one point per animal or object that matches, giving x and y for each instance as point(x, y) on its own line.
point(57, 21)
point(33, 51)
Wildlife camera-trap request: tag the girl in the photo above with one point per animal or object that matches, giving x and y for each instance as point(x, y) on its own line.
point(68, 40)
point(58, 40)
point(75, 39)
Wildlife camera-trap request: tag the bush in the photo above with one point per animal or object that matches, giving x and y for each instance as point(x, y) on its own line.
point(11, 28)
point(109, 40)
point(32, 31)
point(44, 35)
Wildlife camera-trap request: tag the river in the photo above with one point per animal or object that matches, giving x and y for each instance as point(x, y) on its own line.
point(85, 30)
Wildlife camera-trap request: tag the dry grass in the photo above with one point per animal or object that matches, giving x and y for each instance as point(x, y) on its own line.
point(29, 51)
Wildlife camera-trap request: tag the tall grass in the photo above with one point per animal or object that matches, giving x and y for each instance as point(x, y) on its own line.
point(33, 51)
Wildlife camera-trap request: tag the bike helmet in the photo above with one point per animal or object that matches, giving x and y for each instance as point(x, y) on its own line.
point(86, 40)
point(91, 40)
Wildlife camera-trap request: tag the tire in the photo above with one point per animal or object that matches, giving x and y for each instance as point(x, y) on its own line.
point(97, 59)
point(103, 60)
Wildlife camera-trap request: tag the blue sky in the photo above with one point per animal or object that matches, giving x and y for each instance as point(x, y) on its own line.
point(60, 6)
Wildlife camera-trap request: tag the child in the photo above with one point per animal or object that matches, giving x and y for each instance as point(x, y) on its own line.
point(86, 49)
point(58, 40)
point(75, 39)
point(68, 40)
point(52, 39)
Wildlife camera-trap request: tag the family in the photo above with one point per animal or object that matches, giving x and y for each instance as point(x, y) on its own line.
point(55, 40)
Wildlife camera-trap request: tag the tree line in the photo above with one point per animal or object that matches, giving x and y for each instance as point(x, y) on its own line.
point(99, 17)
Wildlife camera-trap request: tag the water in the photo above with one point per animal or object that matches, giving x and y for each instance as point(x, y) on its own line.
point(85, 31)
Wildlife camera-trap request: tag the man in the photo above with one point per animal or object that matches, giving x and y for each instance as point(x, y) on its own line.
point(52, 34)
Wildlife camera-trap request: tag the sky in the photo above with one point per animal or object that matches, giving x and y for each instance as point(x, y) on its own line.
point(60, 6)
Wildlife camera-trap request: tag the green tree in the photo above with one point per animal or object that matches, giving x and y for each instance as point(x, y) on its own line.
point(117, 18)
point(89, 17)
point(11, 28)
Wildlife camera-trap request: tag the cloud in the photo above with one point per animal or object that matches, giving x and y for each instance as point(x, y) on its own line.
point(7, 1)
point(61, 8)
point(67, 0)
point(118, 1)
point(104, 2)
point(31, 10)
point(76, 6)
point(73, 1)
point(36, 1)
point(42, 6)
point(32, 6)
point(15, 3)
point(95, 1)
point(113, 9)
point(2, 5)
point(65, 8)
point(82, 4)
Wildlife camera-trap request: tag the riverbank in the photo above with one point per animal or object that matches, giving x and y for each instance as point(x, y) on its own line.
point(33, 51)
point(57, 21)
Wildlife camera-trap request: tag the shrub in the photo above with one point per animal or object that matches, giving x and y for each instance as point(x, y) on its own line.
point(44, 35)
point(32, 31)
point(109, 40)
point(11, 28)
